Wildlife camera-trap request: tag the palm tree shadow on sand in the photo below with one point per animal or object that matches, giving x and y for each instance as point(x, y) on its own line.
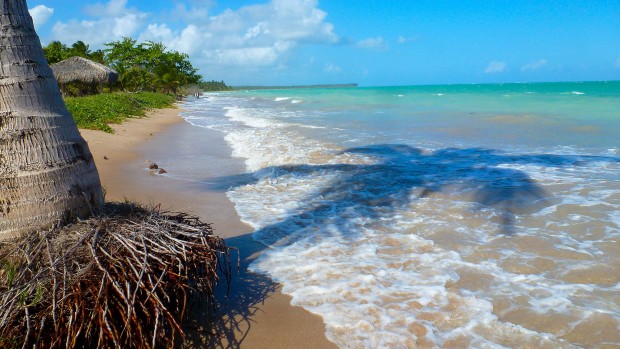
point(226, 323)
point(397, 176)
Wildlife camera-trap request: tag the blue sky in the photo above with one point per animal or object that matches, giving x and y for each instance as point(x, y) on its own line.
point(370, 42)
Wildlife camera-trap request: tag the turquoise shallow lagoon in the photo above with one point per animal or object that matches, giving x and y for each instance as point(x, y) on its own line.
point(456, 215)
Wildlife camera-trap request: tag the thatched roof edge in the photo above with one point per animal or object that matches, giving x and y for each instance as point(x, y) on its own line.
point(84, 70)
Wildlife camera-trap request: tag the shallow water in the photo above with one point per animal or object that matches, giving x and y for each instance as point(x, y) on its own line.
point(446, 216)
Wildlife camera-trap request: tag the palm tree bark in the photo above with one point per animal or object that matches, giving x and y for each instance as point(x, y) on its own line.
point(47, 173)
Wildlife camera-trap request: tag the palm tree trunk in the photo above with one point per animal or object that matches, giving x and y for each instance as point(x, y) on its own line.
point(47, 173)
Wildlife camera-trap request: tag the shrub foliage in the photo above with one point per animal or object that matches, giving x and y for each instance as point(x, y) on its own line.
point(97, 111)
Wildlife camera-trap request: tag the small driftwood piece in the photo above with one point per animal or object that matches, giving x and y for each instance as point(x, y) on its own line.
point(120, 280)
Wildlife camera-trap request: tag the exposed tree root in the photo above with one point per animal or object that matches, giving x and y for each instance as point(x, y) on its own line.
point(120, 280)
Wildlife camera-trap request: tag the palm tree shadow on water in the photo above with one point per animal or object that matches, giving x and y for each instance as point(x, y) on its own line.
point(401, 174)
point(397, 176)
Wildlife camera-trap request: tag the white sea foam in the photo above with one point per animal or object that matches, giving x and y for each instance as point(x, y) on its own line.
point(280, 99)
point(406, 247)
point(266, 142)
point(311, 126)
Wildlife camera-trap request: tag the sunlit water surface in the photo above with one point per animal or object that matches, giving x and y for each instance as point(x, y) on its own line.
point(439, 216)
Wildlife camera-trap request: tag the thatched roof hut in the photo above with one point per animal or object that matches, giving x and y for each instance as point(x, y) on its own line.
point(79, 69)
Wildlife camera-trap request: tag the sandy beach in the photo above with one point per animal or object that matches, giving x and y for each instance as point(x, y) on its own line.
point(253, 314)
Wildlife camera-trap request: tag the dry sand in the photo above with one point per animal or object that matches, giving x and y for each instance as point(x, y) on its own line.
point(253, 314)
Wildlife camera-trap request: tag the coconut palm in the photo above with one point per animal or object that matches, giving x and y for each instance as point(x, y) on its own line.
point(80, 49)
point(167, 78)
point(55, 52)
point(47, 173)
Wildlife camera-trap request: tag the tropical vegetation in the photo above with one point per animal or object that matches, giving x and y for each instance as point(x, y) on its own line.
point(142, 66)
point(214, 86)
point(56, 51)
point(149, 66)
point(98, 111)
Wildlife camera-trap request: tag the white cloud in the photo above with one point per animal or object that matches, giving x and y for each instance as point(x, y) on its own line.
point(403, 39)
point(495, 67)
point(534, 65)
point(126, 25)
point(185, 42)
point(113, 8)
point(332, 68)
point(260, 35)
point(198, 12)
point(252, 36)
point(40, 14)
point(255, 31)
point(247, 56)
point(372, 44)
point(112, 21)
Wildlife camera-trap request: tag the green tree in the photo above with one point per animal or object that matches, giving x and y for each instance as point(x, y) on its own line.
point(149, 66)
point(214, 86)
point(80, 49)
point(124, 53)
point(55, 52)
point(97, 56)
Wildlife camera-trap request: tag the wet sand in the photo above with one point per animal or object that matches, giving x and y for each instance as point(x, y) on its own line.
point(253, 313)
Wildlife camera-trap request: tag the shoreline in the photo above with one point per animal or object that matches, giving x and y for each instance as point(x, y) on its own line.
point(254, 313)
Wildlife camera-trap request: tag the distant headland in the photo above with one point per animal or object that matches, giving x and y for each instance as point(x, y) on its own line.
point(294, 87)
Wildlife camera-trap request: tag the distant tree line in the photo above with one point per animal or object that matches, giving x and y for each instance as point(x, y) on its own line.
point(293, 87)
point(213, 86)
point(146, 66)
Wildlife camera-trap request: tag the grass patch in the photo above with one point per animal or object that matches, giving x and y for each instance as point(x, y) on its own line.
point(98, 111)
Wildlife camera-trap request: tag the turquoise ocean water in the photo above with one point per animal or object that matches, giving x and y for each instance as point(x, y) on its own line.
point(480, 216)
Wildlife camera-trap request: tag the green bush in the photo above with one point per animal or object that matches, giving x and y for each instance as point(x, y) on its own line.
point(96, 112)
point(154, 100)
